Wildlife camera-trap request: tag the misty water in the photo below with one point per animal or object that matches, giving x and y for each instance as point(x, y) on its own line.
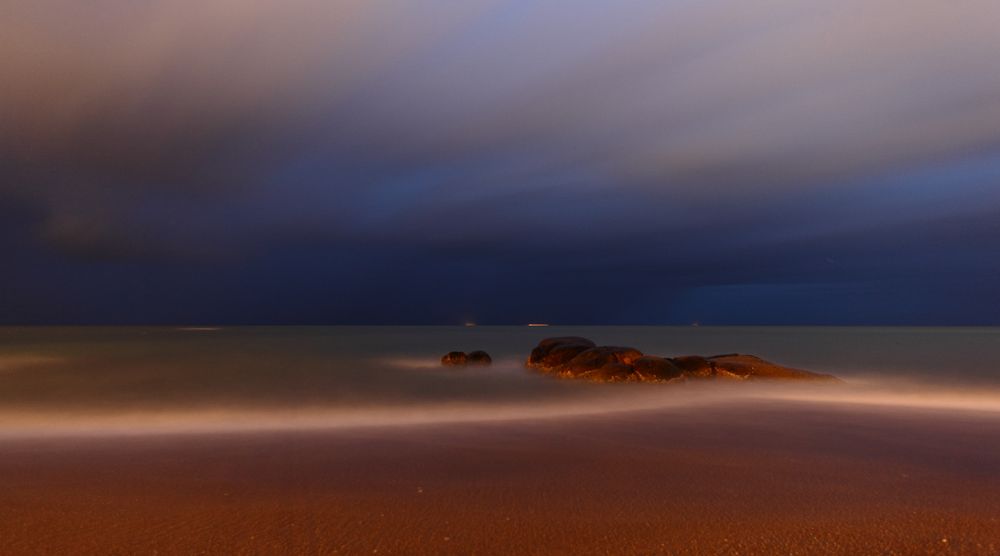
point(125, 379)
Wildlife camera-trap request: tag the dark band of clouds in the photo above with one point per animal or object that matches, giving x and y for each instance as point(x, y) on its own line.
point(564, 160)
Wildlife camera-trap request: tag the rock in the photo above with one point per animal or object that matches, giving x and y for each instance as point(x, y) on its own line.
point(694, 366)
point(560, 355)
point(479, 357)
point(548, 345)
point(596, 357)
point(612, 372)
point(650, 368)
point(751, 367)
point(454, 358)
point(576, 357)
point(461, 359)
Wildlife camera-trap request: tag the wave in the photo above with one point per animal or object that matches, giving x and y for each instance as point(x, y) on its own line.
point(604, 399)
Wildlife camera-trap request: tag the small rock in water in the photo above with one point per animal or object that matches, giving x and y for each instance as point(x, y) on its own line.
point(479, 357)
point(461, 359)
point(454, 358)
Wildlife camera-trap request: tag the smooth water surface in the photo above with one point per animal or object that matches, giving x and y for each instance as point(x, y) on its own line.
point(61, 377)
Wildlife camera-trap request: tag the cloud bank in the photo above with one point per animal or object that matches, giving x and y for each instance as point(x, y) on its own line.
point(575, 161)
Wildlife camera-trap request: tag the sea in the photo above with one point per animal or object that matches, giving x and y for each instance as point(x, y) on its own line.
point(182, 380)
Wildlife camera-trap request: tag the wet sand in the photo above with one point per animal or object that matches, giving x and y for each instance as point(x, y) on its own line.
point(775, 477)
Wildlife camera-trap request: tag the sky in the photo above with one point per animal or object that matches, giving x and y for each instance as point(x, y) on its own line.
point(500, 161)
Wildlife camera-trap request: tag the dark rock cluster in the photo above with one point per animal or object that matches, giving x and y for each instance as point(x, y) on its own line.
point(462, 359)
point(576, 357)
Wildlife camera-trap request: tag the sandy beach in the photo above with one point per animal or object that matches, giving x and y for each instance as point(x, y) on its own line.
point(747, 478)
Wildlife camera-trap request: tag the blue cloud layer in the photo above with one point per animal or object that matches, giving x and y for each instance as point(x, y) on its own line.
point(391, 161)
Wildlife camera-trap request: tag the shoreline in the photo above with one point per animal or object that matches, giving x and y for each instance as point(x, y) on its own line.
point(613, 401)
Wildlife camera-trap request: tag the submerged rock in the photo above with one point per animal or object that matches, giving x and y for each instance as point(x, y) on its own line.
point(576, 357)
point(461, 359)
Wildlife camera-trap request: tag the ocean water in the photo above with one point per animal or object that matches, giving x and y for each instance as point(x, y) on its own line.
point(121, 380)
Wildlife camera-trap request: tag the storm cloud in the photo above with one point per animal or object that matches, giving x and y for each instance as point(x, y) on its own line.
point(381, 161)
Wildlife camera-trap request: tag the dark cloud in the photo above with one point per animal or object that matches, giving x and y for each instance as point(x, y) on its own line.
point(500, 160)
